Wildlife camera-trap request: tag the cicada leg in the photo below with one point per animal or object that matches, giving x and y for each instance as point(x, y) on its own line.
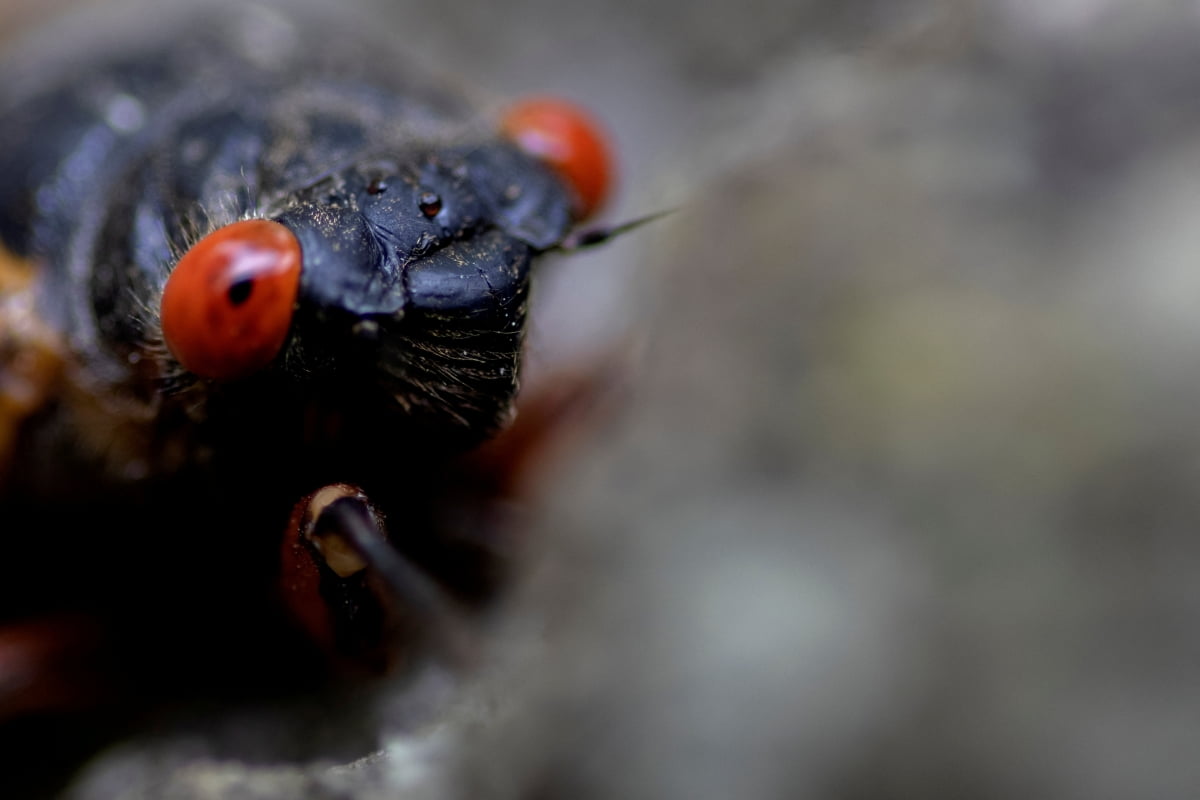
point(370, 605)
point(356, 595)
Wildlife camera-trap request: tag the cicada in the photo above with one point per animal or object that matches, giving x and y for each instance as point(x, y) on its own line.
point(264, 288)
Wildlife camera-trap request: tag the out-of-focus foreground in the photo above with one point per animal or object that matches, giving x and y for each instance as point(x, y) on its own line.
point(901, 495)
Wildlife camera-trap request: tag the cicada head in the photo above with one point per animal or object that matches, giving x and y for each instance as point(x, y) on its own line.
point(400, 282)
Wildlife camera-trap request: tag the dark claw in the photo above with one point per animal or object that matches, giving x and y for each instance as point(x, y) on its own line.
point(348, 536)
point(406, 590)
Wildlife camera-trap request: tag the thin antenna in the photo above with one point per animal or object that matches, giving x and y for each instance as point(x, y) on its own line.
point(579, 240)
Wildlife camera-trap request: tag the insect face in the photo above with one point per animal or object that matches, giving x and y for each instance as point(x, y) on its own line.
point(413, 278)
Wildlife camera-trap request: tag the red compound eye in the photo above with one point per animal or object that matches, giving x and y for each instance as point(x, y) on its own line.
point(227, 306)
point(569, 140)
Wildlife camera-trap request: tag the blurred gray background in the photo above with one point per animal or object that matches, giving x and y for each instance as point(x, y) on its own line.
point(897, 495)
